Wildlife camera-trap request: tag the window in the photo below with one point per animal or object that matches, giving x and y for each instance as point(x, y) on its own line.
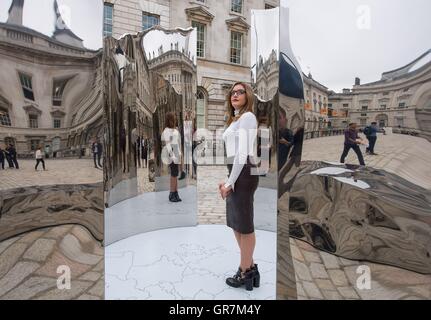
point(57, 123)
point(4, 117)
point(402, 105)
point(345, 105)
point(364, 108)
point(400, 122)
point(200, 28)
point(149, 20)
point(200, 110)
point(363, 114)
point(236, 6)
point(107, 19)
point(34, 144)
point(33, 121)
point(26, 86)
point(57, 91)
point(383, 107)
point(268, 6)
point(235, 47)
point(363, 122)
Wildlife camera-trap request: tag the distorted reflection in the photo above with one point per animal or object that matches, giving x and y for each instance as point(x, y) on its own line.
point(150, 112)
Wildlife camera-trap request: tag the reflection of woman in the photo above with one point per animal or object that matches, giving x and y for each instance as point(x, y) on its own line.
point(171, 136)
point(241, 184)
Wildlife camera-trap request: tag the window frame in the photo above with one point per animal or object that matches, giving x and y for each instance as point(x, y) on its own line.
point(26, 79)
point(234, 5)
point(232, 42)
point(33, 123)
point(106, 32)
point(197, 24)
point(152, 16)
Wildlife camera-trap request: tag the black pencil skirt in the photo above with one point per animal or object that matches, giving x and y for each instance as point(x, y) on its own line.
point(239, 203)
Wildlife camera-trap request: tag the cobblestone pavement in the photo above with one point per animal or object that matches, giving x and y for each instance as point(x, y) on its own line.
point(320, 275)
point(29, 262)
point(211, 207)
point(404, 155)
point(59, 171)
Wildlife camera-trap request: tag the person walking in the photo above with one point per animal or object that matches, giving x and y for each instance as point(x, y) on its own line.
point(372, 138)
point(96, 148)
point(352, 141)
point(239, 189)
point(39, 158)
point(13, 156)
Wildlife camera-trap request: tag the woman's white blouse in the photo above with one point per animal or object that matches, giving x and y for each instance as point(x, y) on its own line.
point(240, 139)
point(172, 139)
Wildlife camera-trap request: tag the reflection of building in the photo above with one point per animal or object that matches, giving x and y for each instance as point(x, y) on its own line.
point(220, 62)
point(50, 89)
point(138, 94)
point(316, 104)
point(401, 98)
point(180, 71)
point(267, 76)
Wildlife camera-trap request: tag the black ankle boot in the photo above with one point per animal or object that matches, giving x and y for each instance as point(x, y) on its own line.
point(172, 197)
point(256, 279)
point(240, 279)
point(177, 197)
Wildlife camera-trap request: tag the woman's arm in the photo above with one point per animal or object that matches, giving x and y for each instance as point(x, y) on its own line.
point(247, 133)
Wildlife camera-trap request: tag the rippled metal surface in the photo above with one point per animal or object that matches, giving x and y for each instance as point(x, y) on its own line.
point(362, 213)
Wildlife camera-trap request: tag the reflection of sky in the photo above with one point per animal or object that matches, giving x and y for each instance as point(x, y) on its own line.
point(83, 17)
point(328, 39)
point(358, 183)
point(330, 171)
point(156, 38)
point(265, 24)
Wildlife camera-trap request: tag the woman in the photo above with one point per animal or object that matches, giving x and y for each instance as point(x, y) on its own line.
point(239, 188)
point(39, 158)
point(171, 137)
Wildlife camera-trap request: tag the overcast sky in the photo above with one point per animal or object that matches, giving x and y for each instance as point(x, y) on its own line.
point(84, 18)
point(336, 41)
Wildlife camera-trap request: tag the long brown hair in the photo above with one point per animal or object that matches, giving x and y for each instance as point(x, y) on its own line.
point(249, 102)
point(170, 120)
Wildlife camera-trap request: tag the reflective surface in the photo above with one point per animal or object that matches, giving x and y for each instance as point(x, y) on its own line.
point(151, 75)
point(290, 140)
point(361, 213)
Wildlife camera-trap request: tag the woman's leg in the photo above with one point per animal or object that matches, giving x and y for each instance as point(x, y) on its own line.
point(238, 238)
point(173, 187)
point(248, 243)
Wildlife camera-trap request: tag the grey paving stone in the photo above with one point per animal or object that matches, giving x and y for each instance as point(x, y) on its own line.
point(17, 274)
point(10, 256)
point(31, 288)
point(338, 277)
point(312, 290)
point(318, 271)
point(40, 250)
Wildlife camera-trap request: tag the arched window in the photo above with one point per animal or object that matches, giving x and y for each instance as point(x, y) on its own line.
point(201, 106)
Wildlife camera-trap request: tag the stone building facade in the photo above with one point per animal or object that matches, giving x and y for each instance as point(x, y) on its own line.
point(315, 104)
point(50, 89)
point(400, 99)
point(224, 41)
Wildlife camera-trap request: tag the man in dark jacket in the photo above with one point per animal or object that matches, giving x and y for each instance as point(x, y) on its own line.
point(12, 156)
point(97, 149)
point(351, 142)
point(2, 157)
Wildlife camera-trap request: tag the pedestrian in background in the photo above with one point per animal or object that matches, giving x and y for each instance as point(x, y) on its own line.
point(39, 158)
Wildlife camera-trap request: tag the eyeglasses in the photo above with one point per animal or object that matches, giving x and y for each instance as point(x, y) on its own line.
point(239, 92)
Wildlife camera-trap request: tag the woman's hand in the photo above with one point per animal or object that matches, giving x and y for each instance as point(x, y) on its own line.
point(224, 192)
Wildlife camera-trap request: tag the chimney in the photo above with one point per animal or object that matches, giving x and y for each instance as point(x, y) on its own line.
point(15, 12)
point(346, 90)
point(357, 81)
